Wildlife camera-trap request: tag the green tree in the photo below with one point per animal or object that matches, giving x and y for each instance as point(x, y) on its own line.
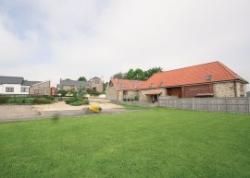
point(138, 74)
point(82, 78)
point(152, 71)
point(130, 74)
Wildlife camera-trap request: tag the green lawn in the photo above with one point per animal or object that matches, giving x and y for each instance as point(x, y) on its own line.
point(148, 143)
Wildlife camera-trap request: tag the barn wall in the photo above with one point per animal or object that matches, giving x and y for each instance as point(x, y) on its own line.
point(192, 91)
point(241, 89)
point(225, 89)
point(131, 94)
point(112, 94)
point(146, 98)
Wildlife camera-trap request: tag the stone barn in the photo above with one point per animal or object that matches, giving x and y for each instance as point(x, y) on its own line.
point(205, 80)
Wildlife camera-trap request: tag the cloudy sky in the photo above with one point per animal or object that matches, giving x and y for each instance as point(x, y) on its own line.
point(53, 39)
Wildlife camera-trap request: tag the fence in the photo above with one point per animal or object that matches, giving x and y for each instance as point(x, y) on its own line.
point(232, 105)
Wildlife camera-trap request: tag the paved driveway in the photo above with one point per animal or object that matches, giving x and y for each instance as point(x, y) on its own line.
point(24, 112)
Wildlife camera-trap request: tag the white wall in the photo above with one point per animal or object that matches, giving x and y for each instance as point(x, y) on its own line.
point(17, 89)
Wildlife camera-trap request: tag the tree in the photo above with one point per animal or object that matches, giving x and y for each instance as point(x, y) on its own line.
point(82, 78)
point(152, 71)
point(130, 74)
point(138, 74)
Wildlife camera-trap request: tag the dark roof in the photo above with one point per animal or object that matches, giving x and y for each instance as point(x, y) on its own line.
point(69, 82)
point(30, 83)
point(11, 80)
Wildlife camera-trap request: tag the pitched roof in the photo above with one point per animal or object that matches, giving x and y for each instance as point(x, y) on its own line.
point(69, 82)
point(122, 84)
point(203, 73)
point(30, 83)
point(11, 80)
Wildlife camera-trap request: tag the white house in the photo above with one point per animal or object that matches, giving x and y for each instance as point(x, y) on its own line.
point(15, 85)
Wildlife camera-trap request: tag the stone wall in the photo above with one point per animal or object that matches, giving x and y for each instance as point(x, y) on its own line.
point(146, 98)
point(40, 89)
point(225, 89)
point(120, 95)
point(95, 84)
point(131, 94)
point(241, 89)
point(112, 94)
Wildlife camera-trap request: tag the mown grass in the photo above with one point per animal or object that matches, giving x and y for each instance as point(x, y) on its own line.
point(146, 144)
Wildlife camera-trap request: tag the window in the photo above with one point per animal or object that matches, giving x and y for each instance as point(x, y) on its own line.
point(9, 89)
point(24, 89)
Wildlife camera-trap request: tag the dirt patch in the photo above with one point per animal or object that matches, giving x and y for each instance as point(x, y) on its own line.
point(23, 112)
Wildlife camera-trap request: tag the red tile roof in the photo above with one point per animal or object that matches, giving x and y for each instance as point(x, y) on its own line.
point(121, 84)
point(203, 73)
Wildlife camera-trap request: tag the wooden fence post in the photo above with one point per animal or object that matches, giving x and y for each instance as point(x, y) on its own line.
point(193, 103)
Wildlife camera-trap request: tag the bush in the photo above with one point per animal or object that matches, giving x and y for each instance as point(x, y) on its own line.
point(4, 99)
point(93, 92)
point(77, 101)
point(26, 100)
point(16, 100)
point(70, 100)
point(42, 101)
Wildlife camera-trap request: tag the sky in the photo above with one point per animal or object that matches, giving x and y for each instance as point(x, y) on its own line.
point(53, 39)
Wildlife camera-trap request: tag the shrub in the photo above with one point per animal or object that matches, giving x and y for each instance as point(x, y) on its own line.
point(16, 100)
point(4, 99)
point(70, 100)
point(93, 92)
point(42, 101)
point(77, 101)
point(26, 100)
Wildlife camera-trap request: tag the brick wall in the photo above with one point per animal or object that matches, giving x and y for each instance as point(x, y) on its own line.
point(192, 91)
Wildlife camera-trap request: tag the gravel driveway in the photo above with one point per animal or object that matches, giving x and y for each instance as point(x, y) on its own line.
point(27, 112)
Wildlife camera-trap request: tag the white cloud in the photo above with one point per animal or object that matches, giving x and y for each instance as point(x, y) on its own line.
point(13, 49)
point(85, 39)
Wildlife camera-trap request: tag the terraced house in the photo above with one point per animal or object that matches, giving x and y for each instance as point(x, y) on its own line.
point(205, 80)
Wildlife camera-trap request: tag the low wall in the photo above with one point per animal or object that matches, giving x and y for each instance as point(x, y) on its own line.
point(232, 105)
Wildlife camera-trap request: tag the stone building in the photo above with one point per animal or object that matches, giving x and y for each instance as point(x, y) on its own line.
point(206, 80)
point(95, 84)
point(69, 85)
point(41, 89)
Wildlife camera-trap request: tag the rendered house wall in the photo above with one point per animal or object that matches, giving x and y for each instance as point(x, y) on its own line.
point(17, 89)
